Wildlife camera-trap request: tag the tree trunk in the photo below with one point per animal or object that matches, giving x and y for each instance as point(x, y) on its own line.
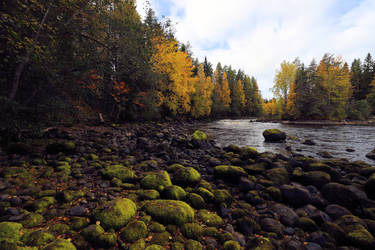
point(25, 60)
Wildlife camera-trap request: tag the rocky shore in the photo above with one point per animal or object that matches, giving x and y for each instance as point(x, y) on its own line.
point(167, 186)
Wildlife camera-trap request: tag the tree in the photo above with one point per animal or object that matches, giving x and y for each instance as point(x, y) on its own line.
point(221, 94)
point(201, 100)
point(207, 66)
point(238, 100)
point(356, 78)
point(371, 97)
point(283, 80)
point(253, 98)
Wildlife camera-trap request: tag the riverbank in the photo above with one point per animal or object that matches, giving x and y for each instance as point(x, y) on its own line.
point(159, 186)
point(317, 122)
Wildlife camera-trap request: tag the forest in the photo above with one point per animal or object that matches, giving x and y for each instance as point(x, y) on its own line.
point(329, 90)
point(70, 60)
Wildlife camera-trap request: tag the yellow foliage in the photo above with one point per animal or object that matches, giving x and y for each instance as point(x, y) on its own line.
point(176, 66)
point(201, 99)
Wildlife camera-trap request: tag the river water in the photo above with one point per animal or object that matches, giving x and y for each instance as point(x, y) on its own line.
point(335, 139)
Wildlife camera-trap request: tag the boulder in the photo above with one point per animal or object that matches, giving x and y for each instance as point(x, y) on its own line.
point(348, 196)
point(116, 213)
point(156, 180)
point(296, 195)
point(186, 176)
point(170, 211)
point(274, 135)
point(229, 172)
point(121, 172)
point(287, 215)
point(371, 155)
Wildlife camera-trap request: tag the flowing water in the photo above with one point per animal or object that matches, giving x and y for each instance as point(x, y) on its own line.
point(337, 140)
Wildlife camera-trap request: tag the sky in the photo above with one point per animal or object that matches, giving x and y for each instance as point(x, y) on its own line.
point(256, 36)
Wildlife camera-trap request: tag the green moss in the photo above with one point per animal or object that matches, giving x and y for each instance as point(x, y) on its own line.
point(224, 236)
point(231, 245)
point(115, 214)
point(161, 238)
point(155, 247)
point(138, 245)
point(274, 193)
point(156, 227)
point(107, 240)
point(78, 223)
point(186, 176)
point(229, 172)
point(174, 193)
point(195, 200)
point(222, 196)
point(206, 194)
point(205, 184)
point(192, 231)
point(38, 162)
point(316, 178)
point(149, 194)
point(145, 218)
point(119, 171)
point(170, 211)
point(32, 220)
point(209, 218)
point(48, 192)
point(193, 245)
point(10, 231)
point(199, 135)
point(37, 238)
point(134, 231)
point(156, 180)
point(60, 244)
point(278, 176)
point(42, 204)
point(272, 131)
point(58, 229)
point(69, 195)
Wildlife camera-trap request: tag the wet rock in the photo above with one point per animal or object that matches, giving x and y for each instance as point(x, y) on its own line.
point(274, 135)
point(287, 216)
point(345, 195)
point(277, 175)
point(246, 184)
point(309, 142)
point(371, 155)
point(336, 211)
point(271, 225)
point(325, 154)
point(77, 211)
point(248, 226)
point(296, 195)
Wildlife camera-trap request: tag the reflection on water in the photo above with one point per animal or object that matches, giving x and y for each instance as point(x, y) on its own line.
point(334, 139)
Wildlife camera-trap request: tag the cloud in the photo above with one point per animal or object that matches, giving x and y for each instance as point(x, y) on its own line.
point(257, 35)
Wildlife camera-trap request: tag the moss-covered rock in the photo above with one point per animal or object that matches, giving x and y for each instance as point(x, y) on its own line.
point(148, 194)
point(193, 245)
point(177, 246)
point(174, 193)
point(134, 231)
point(192, 231)
point(175, 167)
point(186, 176)
point(199, 135)
point(92, 233)
point(155, 247)
point(42, 204)
point(196, 200)
point(274, 135)
point(209, 218)
point(316, 178)
point(10, 231)
point(248, 153)
point(138, 245)
point(64, 147)
point(59, 228)
point(210, 231)
point(206, 194)
point(170, 211)
point(32, 220)
point(229, 172)
point(156, 180)
point(279, 176)
point(60, 244)
point(370, 186)
point(78, 223)
point(161, 238)
point(231, 245)
point(222, 196)
point(119, 171)
point(156, 227)
point(359, 236)
point(37, 238)
point(115, 214)
point(307, 224)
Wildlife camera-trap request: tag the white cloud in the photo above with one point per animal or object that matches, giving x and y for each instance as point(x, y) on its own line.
point(261, 34)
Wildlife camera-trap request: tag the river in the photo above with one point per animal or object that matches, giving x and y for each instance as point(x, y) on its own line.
point(338, 140)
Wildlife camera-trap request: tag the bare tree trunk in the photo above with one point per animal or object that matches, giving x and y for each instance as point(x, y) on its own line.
point(25, 60)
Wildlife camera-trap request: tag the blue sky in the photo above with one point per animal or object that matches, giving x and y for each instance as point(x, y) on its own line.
point(256, 36)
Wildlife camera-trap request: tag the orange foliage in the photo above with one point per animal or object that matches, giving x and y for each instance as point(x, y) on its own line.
point(120, 89)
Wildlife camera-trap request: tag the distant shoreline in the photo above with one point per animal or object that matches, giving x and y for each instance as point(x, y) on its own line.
point(332, 123)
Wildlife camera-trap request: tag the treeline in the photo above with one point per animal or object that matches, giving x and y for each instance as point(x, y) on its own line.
point(68, 60)
point(330, 90)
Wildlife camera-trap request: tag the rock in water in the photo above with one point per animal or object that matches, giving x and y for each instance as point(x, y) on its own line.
point(371, 155)
point(274, 135)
